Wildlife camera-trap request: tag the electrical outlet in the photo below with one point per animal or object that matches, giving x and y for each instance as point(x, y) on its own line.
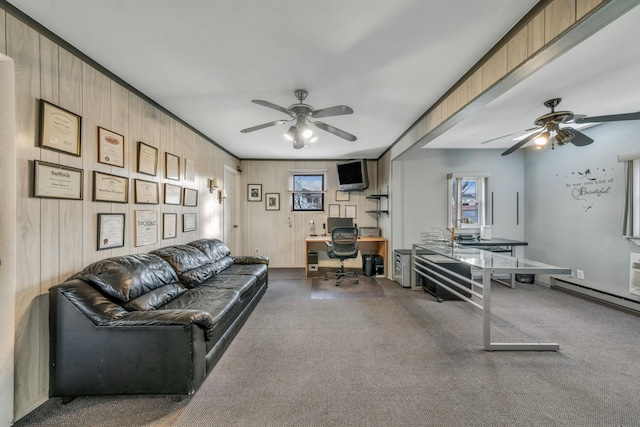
point(580, 274)
point(257, 250)
point(288, 219)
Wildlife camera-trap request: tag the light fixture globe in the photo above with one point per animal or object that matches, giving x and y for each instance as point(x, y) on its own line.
point(564, 136)
point(542, 140)
point(291, 133)
point(298, 143)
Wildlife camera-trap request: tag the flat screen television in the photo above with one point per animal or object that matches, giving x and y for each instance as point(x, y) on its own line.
point(352, 175)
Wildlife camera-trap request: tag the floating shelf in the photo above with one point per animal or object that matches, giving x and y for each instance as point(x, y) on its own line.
point(378, 197)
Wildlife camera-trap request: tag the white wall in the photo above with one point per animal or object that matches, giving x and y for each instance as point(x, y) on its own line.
point(582, 232)
point(420, 190)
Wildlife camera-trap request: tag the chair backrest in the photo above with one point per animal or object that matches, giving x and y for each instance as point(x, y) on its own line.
point(344, 242)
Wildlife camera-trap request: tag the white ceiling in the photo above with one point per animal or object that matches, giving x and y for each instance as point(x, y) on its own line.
point(206, 60)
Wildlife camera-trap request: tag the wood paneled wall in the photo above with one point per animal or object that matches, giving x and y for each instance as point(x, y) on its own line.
point(58, 237)
point(271, 234)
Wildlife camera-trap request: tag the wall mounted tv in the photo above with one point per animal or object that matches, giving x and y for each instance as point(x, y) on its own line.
point(352, 175)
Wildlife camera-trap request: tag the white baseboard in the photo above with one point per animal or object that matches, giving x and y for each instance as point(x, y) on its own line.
point(600, 296)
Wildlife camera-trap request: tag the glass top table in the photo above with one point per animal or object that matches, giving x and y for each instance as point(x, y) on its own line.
point(429, 260)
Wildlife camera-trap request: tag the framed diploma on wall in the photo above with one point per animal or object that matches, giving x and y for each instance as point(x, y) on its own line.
point(172, 194)
point(146, 192)
point(147, 159)
point(110, 148)
point(110, 230)
point(59, 129)
point(172, 166)
point(56, 181)
point(169, 225)
point(190, 197)
point(189, 222)
point(110, 188)
point(146, 225)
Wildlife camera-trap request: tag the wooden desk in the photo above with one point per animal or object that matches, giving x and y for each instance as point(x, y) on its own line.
point(317, 243)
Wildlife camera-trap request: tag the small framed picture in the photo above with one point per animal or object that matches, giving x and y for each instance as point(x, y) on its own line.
point(189, 170)
point(110, 230)
point(110, 148)
point(172, 194)
point(350, 211)
point(60, 129)
point(190, 197)
point(342, 196)
point(172, 166)
point(147, 159)
point(146, 192)
point(254, 192)
point(272, 201)
point(169, 225)
point(189, 222)
point(334, 211)
point(146, 227)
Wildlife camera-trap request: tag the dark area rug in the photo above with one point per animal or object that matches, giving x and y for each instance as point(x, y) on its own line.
point(368, 287)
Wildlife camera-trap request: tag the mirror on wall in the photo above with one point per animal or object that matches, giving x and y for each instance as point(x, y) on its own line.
point(467, 196)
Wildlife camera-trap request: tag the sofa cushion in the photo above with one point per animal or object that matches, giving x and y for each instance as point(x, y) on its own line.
point(216, 302)
point(213, 248)
point(242, 284)
point(155, 298)
point(191, 265)
point(257, 270)
point(129, 276)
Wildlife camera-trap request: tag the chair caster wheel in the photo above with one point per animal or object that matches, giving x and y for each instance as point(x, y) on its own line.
point(356, 281)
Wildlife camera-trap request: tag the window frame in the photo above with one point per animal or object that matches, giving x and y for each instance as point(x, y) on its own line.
point(297, 194)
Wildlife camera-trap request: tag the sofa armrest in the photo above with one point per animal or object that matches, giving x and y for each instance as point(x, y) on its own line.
point(251, 259)
point(167, 317)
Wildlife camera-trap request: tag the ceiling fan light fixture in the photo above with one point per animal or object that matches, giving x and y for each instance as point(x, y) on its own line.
point(298, 143)
point(564, 136)
point(542, 140)
point(291, 133)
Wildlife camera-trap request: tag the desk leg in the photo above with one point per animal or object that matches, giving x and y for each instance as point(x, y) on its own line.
point(486, 308)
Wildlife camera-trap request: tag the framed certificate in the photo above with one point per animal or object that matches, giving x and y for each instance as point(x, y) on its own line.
point(110, 230)
point(172, 166)
point(334, 211)
point(342, 196)
point(189, 222)
point(146, 192)
point(59, 129)
point(57, 181)
point(110, 188)
point(350, 211)
point(189, 170)
point(172, 194)
point(190, 197)
point(110, 148)
point(146, 226)
point(147, 159)
point(169, 225)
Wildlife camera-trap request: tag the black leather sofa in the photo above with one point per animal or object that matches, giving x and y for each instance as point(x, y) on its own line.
point(151, 323)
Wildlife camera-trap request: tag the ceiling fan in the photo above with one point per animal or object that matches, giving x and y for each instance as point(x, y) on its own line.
point(300, 133)
point(548, 127)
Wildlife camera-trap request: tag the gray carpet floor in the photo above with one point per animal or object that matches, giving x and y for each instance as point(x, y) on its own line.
point(399, 360)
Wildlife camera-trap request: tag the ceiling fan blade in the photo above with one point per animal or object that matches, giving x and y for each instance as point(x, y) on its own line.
point(271, 105)
point(510, 134)
point(338, 110)
point(335, 131)
point(521, 143)
point(265, 125)
point(580, 139)
point(611, 118)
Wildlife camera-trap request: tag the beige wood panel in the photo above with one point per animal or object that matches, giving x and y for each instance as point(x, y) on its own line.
point(3, 38)
point(70, 97)
point(119, 123)
point(96, 112)
point(474, 85)
point(517, 48)
point(23, 47)
point(585, 6)
point(495, 68)
point(535, 33)
point(559, 15)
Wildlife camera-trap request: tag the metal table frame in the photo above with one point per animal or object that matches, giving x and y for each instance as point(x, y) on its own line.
point(424, 264)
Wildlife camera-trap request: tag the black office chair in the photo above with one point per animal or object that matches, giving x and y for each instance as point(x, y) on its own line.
point(344, 245)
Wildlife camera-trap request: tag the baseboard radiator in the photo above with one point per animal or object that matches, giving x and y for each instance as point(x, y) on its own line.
point(616, 301)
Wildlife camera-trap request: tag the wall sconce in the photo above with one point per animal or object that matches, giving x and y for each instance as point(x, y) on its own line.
point(213, 184)
point(222, 195)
